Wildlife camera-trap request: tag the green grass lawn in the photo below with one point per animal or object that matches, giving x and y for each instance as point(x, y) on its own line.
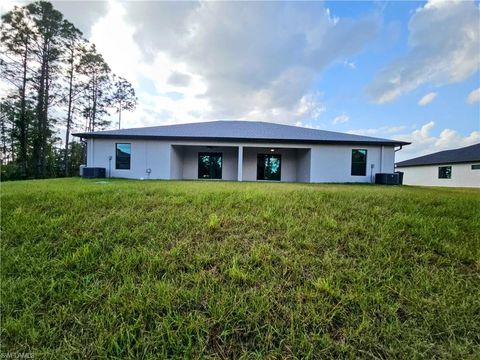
point(155, 269)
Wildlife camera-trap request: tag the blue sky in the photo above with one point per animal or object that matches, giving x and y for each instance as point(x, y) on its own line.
point(449, 108)
point(401, 69)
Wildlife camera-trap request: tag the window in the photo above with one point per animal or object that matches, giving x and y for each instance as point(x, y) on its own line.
point(476, 167)
point(269, 167)
point(209, 165)
point(359, 162)
point(445, 172)
point(122, 156)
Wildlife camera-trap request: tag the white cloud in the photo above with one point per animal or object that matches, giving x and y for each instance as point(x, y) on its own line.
point(423, 142)
point(343, 118)
point(199, 61)
point(474, 96)
point(308, 107)
point(381, 131)
point(349, 64)
point(444, 48)
point(111, 44)
point(257, 60)
point(308, 125)
point(7, 5)
point(167, 77)
point(83, 14)
point(179, 79)
point(192, 61)
point(427, 99)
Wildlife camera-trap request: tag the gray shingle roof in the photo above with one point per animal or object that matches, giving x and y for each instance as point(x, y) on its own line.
point(462, 155)
point(233, 130)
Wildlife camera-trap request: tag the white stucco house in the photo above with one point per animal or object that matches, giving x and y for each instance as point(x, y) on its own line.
point(239, 150)
point(455, 168)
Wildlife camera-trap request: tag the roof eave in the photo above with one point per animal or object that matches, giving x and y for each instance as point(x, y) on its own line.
point(230, 139)
point(438, 163)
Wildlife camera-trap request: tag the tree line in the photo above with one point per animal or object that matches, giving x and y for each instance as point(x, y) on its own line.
point(55, 82)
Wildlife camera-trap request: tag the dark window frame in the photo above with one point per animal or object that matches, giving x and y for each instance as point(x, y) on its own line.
point(209, 153)
point(117, 157)
point(475, 166)
point(279, 156)
point(354, 164)
point(445, 175)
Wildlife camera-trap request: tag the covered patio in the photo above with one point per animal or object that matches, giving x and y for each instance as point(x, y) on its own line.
point(242, 163)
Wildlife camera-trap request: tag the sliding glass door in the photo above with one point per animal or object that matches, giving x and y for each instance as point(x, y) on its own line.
point(269, 167)
point(209, 165)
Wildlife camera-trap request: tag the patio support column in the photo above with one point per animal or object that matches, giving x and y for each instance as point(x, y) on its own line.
point(240, 163)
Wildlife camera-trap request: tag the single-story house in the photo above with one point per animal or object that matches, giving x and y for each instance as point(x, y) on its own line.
point(239, 150)
point(458, 167)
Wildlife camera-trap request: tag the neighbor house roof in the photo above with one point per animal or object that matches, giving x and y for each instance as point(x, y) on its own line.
point(462, 155)
point(230, 130)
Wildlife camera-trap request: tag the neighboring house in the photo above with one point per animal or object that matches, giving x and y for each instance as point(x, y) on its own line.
point(239, 150)
point(459, 167)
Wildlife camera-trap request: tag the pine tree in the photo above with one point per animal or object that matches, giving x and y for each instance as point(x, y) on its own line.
point(48, 23)
point(50, 69)
point(123, 97)
point(18, 38)
point(74, 45)
point(98, 89)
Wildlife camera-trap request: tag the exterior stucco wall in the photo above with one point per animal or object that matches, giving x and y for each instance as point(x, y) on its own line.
point(332, 163)
point(303, 165)
point(179, 160)
point(176, 162)
point(388, 156)
point(146, 154)
point(462, 175)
